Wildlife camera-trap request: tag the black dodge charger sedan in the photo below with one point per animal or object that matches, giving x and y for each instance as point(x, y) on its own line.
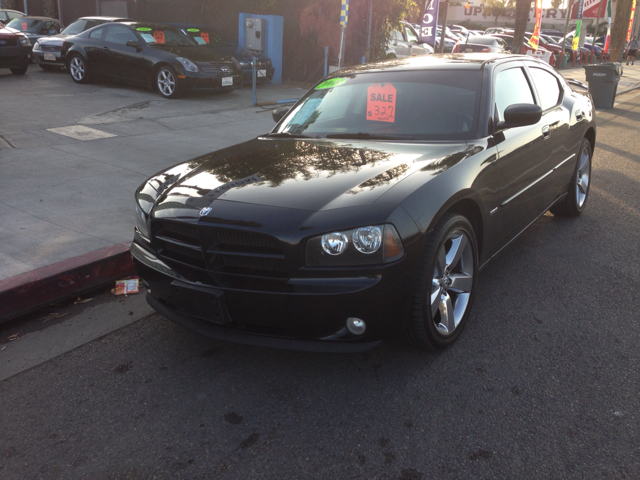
point(370, 208)
point(148, 54)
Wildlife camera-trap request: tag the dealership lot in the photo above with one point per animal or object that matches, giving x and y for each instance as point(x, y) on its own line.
point(543, 384)
point(62, 196)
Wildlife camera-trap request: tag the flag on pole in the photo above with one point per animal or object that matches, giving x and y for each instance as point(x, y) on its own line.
point(576, 36)
point(344, 13)
point(606, 42)
point(633, 9)
point(429, 22)
point(535, 38)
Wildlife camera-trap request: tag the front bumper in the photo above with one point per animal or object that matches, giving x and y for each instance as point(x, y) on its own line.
point(309, 314)
point(248, 74)
point(14, 56)
point(204, 81)
point(39, 58)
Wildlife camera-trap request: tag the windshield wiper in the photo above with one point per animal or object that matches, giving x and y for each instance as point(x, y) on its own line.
point(288, 135)
point(369, 136)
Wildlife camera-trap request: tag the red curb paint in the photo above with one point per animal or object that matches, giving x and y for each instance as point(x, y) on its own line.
point(32, 290)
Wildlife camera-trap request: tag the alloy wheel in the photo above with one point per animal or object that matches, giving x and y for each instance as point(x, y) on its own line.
point(452, 282)
point(166, 82)
point(77, 69)
point(583, 176)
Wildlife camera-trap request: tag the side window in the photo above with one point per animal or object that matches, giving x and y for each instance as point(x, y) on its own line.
point(97, 33)
point(13, 15)
point(411, 36)
point(511, 87)
point(119, 34)
point(397, 36)
point(547, 87)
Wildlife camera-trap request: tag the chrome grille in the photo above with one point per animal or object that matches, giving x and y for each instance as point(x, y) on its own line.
point(50, 48)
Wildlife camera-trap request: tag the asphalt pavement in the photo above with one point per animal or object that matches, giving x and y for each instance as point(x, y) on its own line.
point(543, 383)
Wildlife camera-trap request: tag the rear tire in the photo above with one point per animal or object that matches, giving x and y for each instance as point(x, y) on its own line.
point(446, 284)
point(167, 82)
point(20, 70)
point(576, 199)
point(77, 67)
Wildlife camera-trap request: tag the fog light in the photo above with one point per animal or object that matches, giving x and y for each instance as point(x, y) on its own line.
point(356, 325)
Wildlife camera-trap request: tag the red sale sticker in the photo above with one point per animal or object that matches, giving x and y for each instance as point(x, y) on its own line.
point(24, 25)
point(158, 35)
point(204, 36)
point(381, 102)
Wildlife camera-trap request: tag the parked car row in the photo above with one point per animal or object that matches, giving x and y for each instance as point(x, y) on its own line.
point(170, 58)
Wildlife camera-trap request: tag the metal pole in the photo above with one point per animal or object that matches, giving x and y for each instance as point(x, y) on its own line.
point(340, 52)
point(60, 11)
point(254, 61)
point(25, 7)
point(368, 51)
point(326, 61)
point(444, 25)
point(566, 27)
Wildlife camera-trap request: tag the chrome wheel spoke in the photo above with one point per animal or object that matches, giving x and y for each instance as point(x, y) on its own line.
point(436, 292)
point(447, 321)
point(461, 283)
point(458, 245)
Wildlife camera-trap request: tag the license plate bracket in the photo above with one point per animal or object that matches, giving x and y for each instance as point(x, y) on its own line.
point(206, 304)
point(227, 81)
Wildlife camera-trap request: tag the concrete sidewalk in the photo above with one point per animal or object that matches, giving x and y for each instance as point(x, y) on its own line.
point(66, 199)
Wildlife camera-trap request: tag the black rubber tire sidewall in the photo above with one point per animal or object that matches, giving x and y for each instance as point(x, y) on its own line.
point(422, 330)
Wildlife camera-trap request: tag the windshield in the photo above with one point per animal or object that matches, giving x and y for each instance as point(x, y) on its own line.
point(206, 36)
point(161, 35)
point(77, 27)
point(25, 25)
point(407, 105)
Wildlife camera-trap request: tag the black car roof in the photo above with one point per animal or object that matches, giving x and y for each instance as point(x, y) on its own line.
point(190, 25)
point(43, 19)
point(108, 19)
point(457, 61)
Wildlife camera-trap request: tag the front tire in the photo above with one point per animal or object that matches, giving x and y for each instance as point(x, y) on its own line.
point(446, 284)
point(576, 199)
point(20, 70)
point(167, 82)
point(77, 67)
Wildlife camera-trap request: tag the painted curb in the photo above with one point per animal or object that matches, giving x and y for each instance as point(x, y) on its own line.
point(30, 291)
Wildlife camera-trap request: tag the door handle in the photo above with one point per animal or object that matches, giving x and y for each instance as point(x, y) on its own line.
point(546, 133)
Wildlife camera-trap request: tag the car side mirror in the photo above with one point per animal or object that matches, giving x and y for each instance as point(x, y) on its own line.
point(278, 113)
point(132, 43)
point(520, 115)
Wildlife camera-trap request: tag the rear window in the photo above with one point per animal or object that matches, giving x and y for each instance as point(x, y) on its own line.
point(482, 40)
point(412, 105)
point(25, 25)
point(77, 27)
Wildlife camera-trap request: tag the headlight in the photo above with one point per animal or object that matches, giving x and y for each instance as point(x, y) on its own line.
point(36, 46)
point(25, 41)
point(188, 65)
point(371, 245)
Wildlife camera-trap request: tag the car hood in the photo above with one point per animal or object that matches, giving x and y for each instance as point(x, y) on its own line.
point(305, 175)
point(7, 32)
point(54, 40)
point(197, 54)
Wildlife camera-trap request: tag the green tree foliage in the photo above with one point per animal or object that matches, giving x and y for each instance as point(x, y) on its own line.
point(496, 8)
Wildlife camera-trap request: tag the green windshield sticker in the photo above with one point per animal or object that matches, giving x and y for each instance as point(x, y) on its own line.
point(332, 82)
point(143, 29)
point(193, 29)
